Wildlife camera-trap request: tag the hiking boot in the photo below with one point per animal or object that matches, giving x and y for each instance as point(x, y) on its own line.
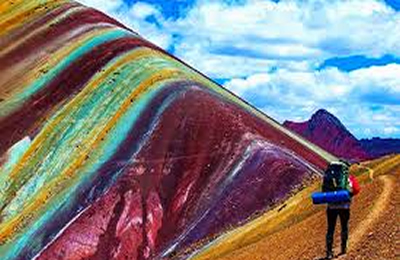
point(329, 255)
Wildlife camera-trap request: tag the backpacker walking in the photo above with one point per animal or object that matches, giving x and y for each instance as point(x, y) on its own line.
point(336, 178)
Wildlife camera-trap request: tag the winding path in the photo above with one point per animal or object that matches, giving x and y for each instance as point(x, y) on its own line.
point(378, 209)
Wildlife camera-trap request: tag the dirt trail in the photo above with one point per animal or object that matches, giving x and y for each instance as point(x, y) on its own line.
point(373, 228)
point(378, 210)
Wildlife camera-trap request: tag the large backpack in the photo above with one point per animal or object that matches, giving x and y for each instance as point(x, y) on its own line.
point(336, 177)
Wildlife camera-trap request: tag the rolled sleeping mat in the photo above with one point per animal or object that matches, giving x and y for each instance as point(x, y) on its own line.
point(331, 197)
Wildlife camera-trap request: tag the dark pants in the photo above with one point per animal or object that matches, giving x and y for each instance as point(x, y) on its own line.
point(344, 215)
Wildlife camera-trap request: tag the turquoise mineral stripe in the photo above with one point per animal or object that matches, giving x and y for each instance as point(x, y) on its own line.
point(14, 154)
point(17, 100)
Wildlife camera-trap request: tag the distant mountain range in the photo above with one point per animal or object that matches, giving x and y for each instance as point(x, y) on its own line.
point(378, 147)
point(326, 131)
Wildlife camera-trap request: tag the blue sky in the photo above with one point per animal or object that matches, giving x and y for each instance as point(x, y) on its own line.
point(289, 57)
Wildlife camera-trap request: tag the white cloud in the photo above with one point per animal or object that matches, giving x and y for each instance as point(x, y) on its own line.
point(135, 17)
point(390, 130)
point(141, 10)
point(259, 34)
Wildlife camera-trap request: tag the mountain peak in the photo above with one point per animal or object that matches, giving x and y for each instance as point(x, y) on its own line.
point(324, 116)
point(323, 113)
point(326, 130)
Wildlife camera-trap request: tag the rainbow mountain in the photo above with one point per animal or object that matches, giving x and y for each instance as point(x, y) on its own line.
point(111, 148)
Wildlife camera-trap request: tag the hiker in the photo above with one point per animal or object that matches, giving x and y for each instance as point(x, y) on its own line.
point(336, 177)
